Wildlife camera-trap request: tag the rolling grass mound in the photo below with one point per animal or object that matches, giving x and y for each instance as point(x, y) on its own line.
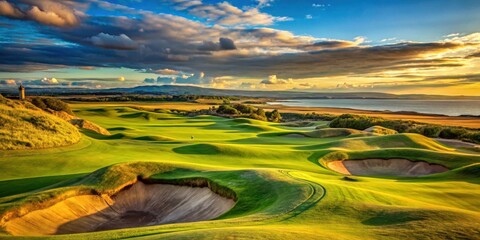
point(326, 133)
point(332, 132)
point(126, 136)
point(380, 130)
point(404, 140)
point(472, 170)
point(25, 126)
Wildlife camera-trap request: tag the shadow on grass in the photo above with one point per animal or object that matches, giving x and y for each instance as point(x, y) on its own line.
point(201, 149)
point(18, 186)
point(393, 218)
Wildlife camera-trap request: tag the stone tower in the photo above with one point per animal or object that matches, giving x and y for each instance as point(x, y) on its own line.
point(21, 92)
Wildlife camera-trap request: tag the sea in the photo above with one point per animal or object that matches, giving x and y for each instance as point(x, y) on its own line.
point(443, 107)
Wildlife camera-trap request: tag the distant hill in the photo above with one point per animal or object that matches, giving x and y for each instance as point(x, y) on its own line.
point(192, 90)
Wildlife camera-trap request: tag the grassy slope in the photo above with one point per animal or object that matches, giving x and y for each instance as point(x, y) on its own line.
point(283, 191)
point(24, 126)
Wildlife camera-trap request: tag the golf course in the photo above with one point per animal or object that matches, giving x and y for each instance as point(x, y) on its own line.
point(211, 177)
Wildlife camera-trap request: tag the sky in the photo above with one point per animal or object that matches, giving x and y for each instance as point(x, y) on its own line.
point(401, 47)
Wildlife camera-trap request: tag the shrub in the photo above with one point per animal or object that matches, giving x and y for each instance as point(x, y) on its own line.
point(45, 103)
point(247, 109)
point(288, 117)
point(453, 133)
point(473, 136)
point(227, 109)
point(429, 130)
point(274, 116)
point(258, 117)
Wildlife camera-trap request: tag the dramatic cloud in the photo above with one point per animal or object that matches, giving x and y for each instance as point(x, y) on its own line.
point(326, 44)
point(226, 14)
point(198, 78)
point(227, 44)
point(166, 80)
point(224, 40)
point(223, 44)
point(9, 10)
point(9, 82)
point(272, 79)
point(160, 80)
point(120, 42)
point(42, 82)
point(167, 71)
point(48, 12)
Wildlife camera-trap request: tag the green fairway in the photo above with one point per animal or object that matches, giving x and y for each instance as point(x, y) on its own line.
point(278, 174)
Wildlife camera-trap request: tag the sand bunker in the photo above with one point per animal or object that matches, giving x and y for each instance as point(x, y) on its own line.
point(139, 205)
point(385, 167)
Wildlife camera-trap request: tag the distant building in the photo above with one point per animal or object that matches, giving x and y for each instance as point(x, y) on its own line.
point(21, 92)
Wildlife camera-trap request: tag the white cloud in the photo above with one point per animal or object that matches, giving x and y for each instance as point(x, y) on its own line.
point(320, 5)
point(264, 3)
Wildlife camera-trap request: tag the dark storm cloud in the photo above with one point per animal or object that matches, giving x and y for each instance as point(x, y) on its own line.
point(223, 44)
point(227, 44)
point(120, 42)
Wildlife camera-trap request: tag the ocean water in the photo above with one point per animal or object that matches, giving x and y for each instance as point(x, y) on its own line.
point(445, 107)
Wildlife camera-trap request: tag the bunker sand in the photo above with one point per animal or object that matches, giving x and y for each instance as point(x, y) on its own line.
point(138, 205)
point(385, 167)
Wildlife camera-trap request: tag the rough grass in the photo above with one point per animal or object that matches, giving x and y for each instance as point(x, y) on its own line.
point(26, 127)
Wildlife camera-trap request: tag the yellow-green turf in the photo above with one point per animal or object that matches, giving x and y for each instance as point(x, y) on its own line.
point(283, 189)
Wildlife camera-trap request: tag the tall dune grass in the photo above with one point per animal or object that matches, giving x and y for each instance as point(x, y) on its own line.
point(24, 126)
